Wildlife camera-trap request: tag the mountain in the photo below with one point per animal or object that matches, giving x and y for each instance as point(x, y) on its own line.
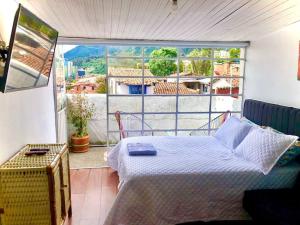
point(84, 51)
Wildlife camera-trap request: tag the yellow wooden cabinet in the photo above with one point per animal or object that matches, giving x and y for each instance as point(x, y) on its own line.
point(35, 190)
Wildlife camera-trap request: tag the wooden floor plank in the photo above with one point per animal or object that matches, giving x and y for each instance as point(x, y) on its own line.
point(107, 199)
point(79, 181)
point(89, 222)
point(93, 193)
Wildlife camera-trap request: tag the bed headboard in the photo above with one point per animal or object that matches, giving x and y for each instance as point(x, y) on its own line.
point(282, 118)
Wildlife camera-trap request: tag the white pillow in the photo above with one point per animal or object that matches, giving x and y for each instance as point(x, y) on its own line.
point(232, 132)
point(264, 147)
point(244, 119)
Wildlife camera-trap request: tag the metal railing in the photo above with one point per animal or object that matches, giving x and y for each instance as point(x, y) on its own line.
point(128, 122)
point(214, 124)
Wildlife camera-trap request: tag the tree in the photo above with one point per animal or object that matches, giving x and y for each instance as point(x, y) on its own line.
point(94, 64)
point(159, 64)
point(201, 67)
point(234, 54)
point(99, 69)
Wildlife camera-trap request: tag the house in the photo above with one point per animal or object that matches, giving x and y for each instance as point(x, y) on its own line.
point(226, 86)
point(190, 80)
point(132, 84)
point(209, 89)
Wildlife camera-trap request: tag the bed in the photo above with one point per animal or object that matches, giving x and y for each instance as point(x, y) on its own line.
point(195, 178)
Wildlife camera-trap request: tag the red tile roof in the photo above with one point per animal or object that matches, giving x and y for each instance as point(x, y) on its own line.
point(168, 88)
point(129, 72)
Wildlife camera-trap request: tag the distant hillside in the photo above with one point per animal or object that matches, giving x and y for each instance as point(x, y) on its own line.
point(84, 51)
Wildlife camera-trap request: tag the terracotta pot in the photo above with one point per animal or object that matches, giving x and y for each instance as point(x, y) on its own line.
point(80, 144)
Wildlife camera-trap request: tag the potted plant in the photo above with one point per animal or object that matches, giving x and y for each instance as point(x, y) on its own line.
point(80, 111)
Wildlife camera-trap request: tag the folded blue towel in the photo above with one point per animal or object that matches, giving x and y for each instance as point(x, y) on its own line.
point(141, 149)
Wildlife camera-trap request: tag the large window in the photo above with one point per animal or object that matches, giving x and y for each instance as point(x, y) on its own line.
point(158, 90)
point(173, 91)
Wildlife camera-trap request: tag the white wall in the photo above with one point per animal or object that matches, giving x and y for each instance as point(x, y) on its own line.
point(272, 65)
point(25, 116)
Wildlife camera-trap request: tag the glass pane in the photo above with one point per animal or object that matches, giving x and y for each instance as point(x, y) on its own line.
point(97, 130)
point(124, 67)
point(159, 121)
point(227, 53)
point(196, 52)
point(165, 87)
point(217, 119)
point(113, 124)
point(124, 51)
point(125, 86)
point(160, 52)
point(124, 104)
point(85, 69)
point(60, 78)
point(161, 67)
point(114, 138)
point(160, 133)
point(193, 121)
point(194, 86)
point(193, 133)
point(228, 68)
point(129, 122)
point(226, 103)
point(229, 86)
point(238, 115)
point(160, 104)
point(193, 104)
point(195, 67)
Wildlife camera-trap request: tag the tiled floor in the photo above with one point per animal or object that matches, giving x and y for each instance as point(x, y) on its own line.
point(93, 193)
point(94, 158)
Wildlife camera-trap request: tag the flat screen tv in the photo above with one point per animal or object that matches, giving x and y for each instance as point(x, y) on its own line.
point(30, 53)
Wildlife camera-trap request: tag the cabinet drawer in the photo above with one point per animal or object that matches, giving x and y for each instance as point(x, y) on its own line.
point(57, 197)
point(66, 197)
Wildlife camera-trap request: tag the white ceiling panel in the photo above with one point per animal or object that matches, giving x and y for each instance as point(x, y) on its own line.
point(193, 20)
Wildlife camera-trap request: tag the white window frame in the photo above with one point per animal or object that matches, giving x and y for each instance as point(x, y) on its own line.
point(175, 44)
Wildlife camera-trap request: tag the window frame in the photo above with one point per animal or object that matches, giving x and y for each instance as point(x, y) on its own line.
point(178, 46)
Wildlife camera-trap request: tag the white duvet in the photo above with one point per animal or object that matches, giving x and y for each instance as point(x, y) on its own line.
point(191, 178)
